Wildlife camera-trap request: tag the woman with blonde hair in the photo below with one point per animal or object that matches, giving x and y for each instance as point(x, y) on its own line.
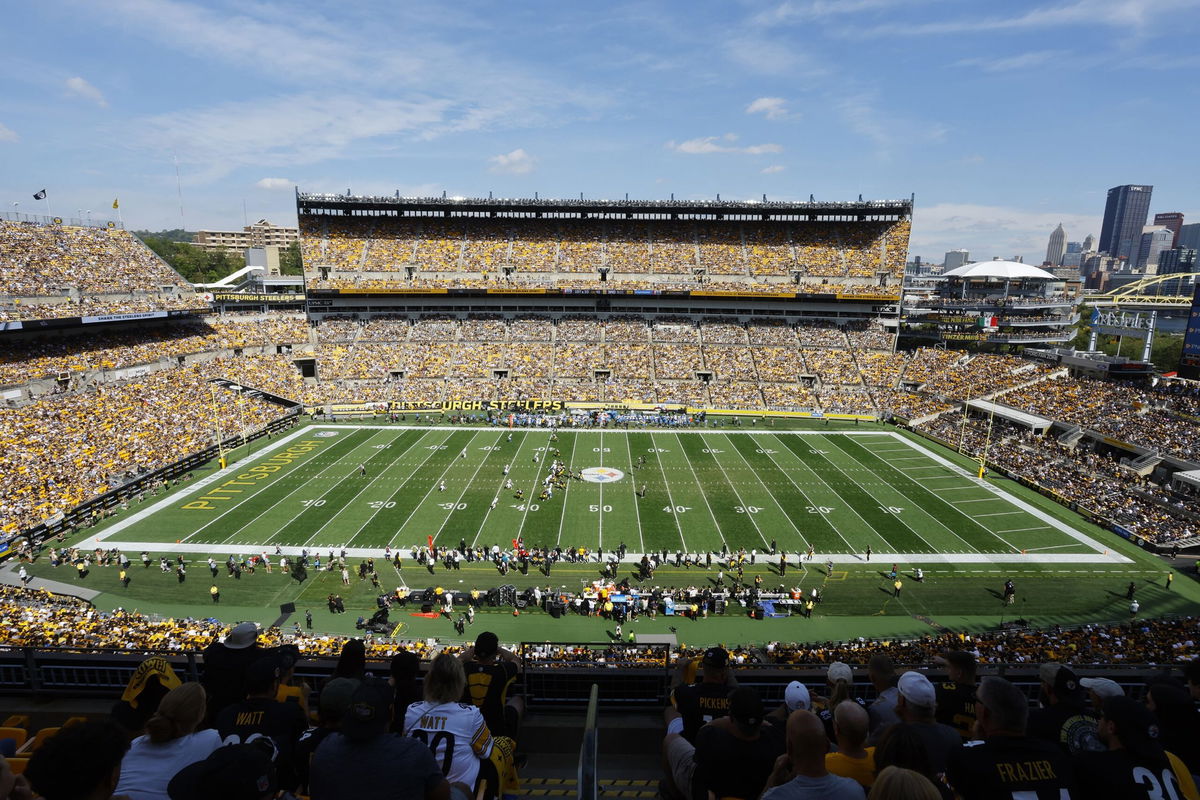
point(171, 743)
point(454, 731)
point(898, 783)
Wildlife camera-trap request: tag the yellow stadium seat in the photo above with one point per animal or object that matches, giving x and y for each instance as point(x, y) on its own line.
point(17, 734)
point(18, 765)
point(33, 744)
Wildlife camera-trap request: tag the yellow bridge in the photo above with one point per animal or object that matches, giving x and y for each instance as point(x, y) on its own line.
point(1143, 293)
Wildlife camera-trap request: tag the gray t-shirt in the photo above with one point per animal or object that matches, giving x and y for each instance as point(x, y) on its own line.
point(801, 787)
point(387, 767)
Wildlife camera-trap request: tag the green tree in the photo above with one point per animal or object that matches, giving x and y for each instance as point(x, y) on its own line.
point(289, 260)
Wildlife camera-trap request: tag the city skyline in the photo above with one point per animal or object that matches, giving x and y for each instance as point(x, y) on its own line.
point(786, 99)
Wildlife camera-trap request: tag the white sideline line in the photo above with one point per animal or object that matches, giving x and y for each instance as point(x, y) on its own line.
point(997, 514)
point(1020, 530)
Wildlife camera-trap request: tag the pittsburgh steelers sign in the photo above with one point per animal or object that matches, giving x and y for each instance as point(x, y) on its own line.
point(602, 475)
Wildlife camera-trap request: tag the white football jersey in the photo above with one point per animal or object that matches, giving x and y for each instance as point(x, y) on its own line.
point(455, 732)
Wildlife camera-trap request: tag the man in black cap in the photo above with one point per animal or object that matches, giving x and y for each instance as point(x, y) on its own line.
point(956, 696)
point(80, 761)
point(1064, 717)
point(735, 753)
point(347, 764)
point(260, 714)
point(704, 700)
point(232, 772)
point(1135, 766)
point(491, 671)
point(1007, 763)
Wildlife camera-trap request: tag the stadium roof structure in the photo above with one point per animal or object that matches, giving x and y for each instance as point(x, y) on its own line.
point(605, 209)
point(999, 270)
point(1024, 419)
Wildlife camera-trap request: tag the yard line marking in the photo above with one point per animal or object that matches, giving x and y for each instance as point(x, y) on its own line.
point(703, 494)
point(434, 484)
point(742, 502)
point(303, 485)
point(671, 500)
point(633, 486)
point(382, 472)
point(467, 488)
point(562, 517)
point(516, 457)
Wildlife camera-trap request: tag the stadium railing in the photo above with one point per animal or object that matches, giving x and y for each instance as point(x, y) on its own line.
point(586, 780)
point(74, 222)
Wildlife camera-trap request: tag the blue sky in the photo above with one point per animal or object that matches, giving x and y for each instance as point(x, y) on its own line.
point(1003, 118)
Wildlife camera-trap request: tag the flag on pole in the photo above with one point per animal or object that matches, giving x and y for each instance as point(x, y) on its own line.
point(40, 195)
point(115, 203)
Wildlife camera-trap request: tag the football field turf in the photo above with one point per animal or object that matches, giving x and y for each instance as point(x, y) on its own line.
point(365, 487)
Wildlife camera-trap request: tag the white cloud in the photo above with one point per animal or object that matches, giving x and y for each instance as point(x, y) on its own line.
point(989, 231)
point(290, 130)
point(518, 162)
point(774, 168)
point(1131, 17)
point(720, 144)
point(7, 134)
point(275, 184)
point(81, 88)
point(770, 107)
point(1015, 62)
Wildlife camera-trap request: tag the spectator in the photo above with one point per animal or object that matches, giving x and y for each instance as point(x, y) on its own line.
point(901, 746)
point(260, 714)
point(840, 679)
point(1178, 722)
point(286, 656)
point(800, 773)
point(1007, 760)
point(346, 766)
point(883, 709)
point(491, 671)
point(1099, 689)
point(352, 663)
point(956, 696)
point(916, 706)
point(1135, 765)
point(795, 697)
point(170, 744)
point(225, 662)
point(405, 669)
point(852, 760)
point(80, 762)
point(148, 685)
point(455, 732)
point(331, 708)
point(233, 772)
point(1191, 673)
point(898, 783)
point(694, 704)
point(1063, 717)
point(735, 754)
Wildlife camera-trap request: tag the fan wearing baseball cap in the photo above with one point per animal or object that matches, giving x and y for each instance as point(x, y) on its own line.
point(1008, 763)
point(1135, 766)
point(916, 704)
point(1064, 717)
point(260, 714)
point(735, 753)
point(692, 705)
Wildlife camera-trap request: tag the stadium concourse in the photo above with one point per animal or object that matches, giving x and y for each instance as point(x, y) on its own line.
point(751, 347)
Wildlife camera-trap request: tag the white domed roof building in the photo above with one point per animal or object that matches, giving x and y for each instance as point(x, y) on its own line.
point(994, 303)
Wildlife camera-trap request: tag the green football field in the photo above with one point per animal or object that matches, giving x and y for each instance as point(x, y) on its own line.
point(366, 487)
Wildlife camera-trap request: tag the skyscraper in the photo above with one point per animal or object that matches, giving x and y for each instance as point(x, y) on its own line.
point(1057, 246)
point(1172, 220)
point(1089, 244)
point(1189, 236)
point(955, 259)
point(1124, 217)
point(1154, 240)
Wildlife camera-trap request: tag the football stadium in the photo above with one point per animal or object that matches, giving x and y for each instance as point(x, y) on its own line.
point(599, 450)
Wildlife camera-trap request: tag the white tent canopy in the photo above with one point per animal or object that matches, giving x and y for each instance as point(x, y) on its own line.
point(999, 270)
